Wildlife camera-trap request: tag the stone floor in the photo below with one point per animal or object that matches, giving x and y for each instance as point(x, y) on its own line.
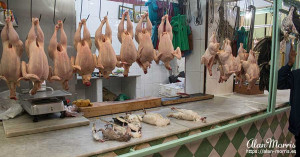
point(79, 142)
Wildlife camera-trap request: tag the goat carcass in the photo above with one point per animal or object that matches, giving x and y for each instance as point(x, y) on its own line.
point(209, 56)
point(107, 59)
point(228, 63)
point(85, 62)
point(146, 53)
point(165, 47)
point(37, 69)
point(128, 52)
point(63, 70)
point(185, 114)
point(251, 70)
point(10, 67)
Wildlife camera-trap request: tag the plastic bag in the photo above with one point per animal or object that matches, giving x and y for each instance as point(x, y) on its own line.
point(9, 109)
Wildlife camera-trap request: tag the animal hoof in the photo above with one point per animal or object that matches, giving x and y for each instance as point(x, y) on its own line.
point(125, 75)
point(145, 72)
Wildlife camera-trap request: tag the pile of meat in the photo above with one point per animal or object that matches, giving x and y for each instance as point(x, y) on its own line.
point(243, 66)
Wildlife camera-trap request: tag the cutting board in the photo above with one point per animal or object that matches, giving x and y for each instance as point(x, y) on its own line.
point(105, 108)
point(23, 125)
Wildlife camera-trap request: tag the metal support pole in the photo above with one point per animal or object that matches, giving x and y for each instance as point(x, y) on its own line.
point(274, 56)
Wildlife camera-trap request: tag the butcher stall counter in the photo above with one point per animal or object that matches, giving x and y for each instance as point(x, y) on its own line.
point(219, 111)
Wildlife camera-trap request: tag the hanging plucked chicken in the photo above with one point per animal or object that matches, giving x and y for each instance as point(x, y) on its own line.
point(63, 71)
point(37, 69)
point(85, 62)
point(166, 51)
point(146, 52)
point(107, 59)
point(128, 54)
point(228, 63)
point(209, 56)
point(251, 70)
point(10, 67)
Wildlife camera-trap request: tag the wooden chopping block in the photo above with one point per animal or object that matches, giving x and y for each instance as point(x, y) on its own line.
point(105, 108)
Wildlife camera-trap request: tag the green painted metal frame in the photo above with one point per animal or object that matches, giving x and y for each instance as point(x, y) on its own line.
point(271, 100)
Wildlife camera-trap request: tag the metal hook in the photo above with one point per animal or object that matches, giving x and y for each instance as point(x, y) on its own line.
point(99, 10)
point(81, 11)
point(122, 6)
point(31, 12)
point(54, 13)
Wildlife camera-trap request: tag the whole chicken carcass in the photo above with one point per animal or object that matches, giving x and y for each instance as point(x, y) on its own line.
point(85, 62)
point(209, 56)
point(228, 63)
point(146, 52)
point(63, 71)
point(107, 59)
point(166, 51)
point(155, 119)
point(251, 70)
point(185, 114)
point(242, 56)
point(128, 52)
point(10, 67)
point(37, 69)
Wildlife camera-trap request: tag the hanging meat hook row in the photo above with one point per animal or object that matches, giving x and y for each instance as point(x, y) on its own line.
point(31, 12)
point(81, 11)
point(54, 14)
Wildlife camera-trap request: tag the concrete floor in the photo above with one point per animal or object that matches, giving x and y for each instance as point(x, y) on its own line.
point(79, 142)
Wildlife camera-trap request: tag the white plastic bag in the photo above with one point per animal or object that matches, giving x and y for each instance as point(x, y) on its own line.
point(9, 109)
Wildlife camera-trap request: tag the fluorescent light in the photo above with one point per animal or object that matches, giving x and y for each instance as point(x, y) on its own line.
point(248, 15)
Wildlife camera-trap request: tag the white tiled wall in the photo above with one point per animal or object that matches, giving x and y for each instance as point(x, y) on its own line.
point(147, 84)
point(194, 69)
